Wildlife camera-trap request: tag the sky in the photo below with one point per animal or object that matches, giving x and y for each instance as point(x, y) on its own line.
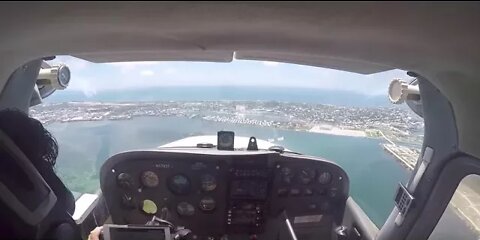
point(92, 78)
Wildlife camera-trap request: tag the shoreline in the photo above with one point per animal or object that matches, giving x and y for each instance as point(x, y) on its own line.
point(333, 130)
point(323, 129)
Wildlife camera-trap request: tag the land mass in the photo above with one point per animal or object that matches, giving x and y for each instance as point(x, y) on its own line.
point(399, 124)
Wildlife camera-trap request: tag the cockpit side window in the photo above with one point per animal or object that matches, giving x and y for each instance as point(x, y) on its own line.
point(461, 219)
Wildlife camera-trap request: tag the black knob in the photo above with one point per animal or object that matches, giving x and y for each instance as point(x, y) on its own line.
point(128, 201)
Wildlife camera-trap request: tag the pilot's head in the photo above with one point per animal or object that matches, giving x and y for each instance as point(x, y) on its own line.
point(41, 148)
point(31, 137)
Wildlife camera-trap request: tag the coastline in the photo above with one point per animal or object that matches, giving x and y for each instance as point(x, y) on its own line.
point(332, 130)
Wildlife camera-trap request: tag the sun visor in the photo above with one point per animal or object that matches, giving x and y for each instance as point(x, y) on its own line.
point(177, 55)
point(316, 61)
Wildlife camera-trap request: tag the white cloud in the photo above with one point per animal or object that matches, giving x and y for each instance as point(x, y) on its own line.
point(170, 71)
point(86, 86)
point(270, 64)
point(147, 73)
point(133, 63)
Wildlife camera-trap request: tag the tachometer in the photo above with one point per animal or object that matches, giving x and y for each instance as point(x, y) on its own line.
point(207, 204)
point(306, 175)
point(209, 183)
point(149, 179)
point(324, 177)
point(179, 184)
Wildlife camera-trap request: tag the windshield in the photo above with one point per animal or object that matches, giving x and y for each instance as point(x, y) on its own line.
point(340, 116)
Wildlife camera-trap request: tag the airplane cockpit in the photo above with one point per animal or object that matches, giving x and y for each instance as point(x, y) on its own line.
point(232, 186)
point(222, 193)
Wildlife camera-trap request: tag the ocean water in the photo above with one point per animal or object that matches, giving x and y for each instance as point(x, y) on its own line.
point(373, 173)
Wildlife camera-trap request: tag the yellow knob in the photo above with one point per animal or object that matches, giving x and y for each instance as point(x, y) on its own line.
point(149, 207)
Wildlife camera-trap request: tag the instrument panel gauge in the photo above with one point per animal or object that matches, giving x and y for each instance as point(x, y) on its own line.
point(125, 181)
point(209, 182)
point(306, 175)
point(185, 209)
point(287, 175)
point(324, 177)
point(207, 204)
point(179, 184)
point(149, 179)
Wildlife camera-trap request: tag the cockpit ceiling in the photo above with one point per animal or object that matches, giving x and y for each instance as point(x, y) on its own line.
point(172, 55)
point(437, 40)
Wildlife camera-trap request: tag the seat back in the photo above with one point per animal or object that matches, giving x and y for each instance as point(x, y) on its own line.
point(29, 206)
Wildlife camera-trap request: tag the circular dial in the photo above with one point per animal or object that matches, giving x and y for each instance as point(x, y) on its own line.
point(306, 175)
point(63, 75)
point(149, 179)
point(179, 184)
point(185, 209)
point(207, 204)
point(209, 183)
point(324, 177)
point(125, 181)
point(287, 175)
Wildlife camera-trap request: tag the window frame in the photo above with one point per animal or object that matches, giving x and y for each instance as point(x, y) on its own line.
point(453, 172)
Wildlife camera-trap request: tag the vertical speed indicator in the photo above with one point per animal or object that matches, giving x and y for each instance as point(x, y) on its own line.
point(149, 179)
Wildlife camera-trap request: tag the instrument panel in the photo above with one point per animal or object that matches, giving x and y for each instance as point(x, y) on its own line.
point(215, 192)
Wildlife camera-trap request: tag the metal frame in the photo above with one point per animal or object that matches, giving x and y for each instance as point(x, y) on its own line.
point(441, 142)
point(19, 89)
point(448, 180)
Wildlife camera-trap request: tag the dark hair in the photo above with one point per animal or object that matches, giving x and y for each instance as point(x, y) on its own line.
point(42, 150)
point(31, 137)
